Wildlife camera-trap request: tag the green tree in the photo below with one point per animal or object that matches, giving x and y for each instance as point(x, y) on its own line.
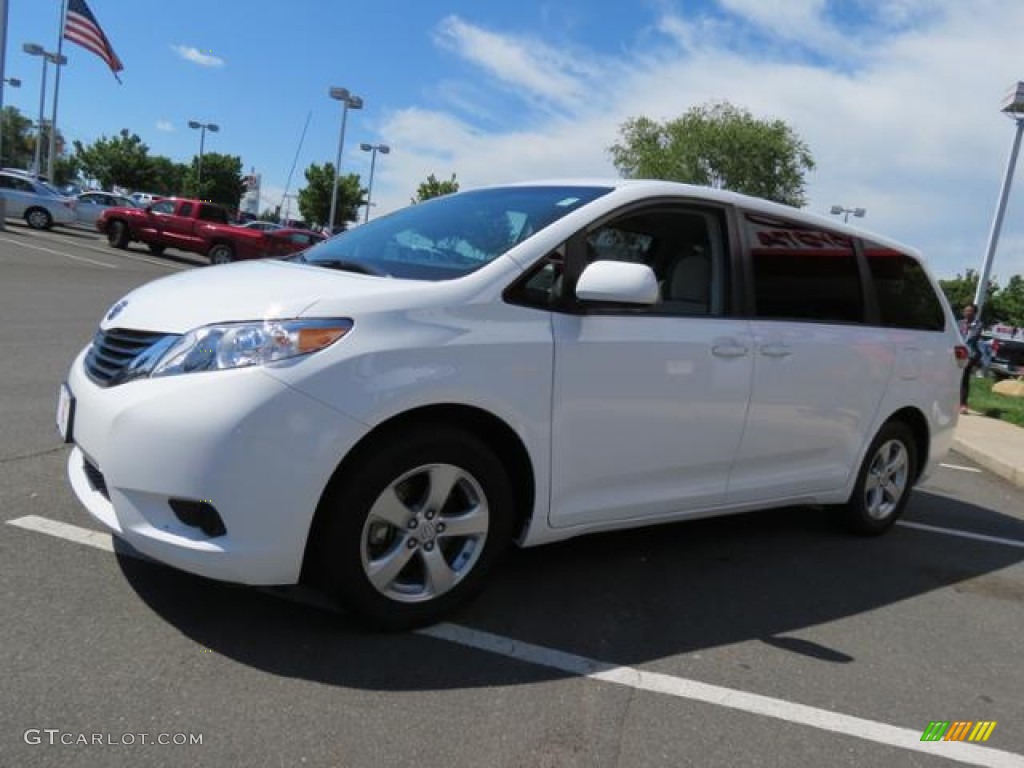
point(122, 161)
point(66, 169)
point(315, 197)
point(168, 176)
point(960, 292)
point(271, 214)
point(18, 139)
point(717, 145)
point(222, 180)
point(1008, 304)
point(433, 187)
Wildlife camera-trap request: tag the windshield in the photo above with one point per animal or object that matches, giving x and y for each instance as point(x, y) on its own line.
point(450, 236)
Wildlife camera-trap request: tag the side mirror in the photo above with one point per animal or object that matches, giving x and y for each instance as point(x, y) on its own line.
point(618, 282)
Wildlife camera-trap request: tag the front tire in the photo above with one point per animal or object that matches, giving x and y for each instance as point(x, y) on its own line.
point(885, 481)
point(411, 531)
point(117, 234)
point(38, 218)
point(156, 249)
point(221, 254)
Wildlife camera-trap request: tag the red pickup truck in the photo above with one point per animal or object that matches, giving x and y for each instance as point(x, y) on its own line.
point(194, 226)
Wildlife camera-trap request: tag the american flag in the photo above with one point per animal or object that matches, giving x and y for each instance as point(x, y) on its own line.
point(81, 27)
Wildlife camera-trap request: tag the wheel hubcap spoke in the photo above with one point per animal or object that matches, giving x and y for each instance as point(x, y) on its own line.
point(443, 479)
point(390, 509)
point(439, 575)
point(384, 571)
point(473, 523)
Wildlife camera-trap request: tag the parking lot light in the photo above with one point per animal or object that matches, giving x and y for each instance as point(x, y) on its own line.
point(373, 149)
point(1013, 107)
point(202, 128)
point(348, 101)
point(857, 212)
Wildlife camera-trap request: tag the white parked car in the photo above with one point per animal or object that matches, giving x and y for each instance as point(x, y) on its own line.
point(34, 200)
point(382, 415)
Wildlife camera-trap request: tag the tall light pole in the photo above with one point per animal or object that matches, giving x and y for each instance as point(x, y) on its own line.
point(34, 49)
point(1013, 107)
point(202, 128)
point(373, 149)
point(348, 101)
point(858, 212)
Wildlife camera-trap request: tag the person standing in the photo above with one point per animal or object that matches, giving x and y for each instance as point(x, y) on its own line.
point(970, 332)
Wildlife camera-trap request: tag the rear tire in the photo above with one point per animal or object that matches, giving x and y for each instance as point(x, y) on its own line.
point(38, 218)
point(885, 481)
point(413, 528)
point(117, 234)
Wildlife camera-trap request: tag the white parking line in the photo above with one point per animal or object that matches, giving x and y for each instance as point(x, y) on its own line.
point(54, 238)
point(654, 682)
point(753, 703)
point(23, 244)
point(961, 534)
point(64, 531)
point(960, 467)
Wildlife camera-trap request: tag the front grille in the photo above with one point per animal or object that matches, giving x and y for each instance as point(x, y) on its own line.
point(95, 477)
point(116, 355)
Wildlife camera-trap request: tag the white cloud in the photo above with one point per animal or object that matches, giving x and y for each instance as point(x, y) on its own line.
point(203, 58)
point(528, 66)
point(907, 125)
point(164, 125)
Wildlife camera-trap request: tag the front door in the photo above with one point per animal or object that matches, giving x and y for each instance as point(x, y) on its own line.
point(649, 403)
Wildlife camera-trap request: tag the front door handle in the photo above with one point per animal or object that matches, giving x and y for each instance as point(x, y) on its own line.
point(776, 350)
point(729, 348)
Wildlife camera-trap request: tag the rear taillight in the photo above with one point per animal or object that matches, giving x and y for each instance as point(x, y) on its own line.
point(962, 355)
point(995, 346)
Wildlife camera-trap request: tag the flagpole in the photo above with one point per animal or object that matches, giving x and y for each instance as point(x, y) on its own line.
point(56, 92)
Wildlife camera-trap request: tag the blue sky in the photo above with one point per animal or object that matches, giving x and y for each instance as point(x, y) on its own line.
point(898, 99)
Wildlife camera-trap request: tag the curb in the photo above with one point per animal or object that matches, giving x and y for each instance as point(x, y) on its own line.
point(994, 464)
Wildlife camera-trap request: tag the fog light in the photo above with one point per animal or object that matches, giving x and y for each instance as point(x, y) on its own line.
point(199, 514)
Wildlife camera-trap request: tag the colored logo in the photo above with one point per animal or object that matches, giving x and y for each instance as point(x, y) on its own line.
point(958, 730)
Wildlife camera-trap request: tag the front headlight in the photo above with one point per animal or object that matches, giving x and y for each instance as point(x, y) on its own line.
point(237, 345)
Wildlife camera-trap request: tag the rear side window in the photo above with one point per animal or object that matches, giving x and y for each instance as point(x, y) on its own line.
point(213, 213)
point(906, 298)
point(802, 272)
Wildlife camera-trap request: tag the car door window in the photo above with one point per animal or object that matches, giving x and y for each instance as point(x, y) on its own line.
point(185, 210)
point(803, 272)
point(683, 246)
point(163, 206)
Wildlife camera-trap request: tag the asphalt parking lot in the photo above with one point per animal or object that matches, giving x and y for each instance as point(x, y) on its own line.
point(767, 639)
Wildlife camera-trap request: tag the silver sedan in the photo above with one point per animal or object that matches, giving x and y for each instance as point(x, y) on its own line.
point(92, 204)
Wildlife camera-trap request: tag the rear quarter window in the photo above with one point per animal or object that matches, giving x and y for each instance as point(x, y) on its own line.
point(906, 298)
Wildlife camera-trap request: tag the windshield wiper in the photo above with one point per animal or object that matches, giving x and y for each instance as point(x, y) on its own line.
point(345, 265)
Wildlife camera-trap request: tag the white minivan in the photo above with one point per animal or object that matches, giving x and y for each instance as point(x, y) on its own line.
point(382, 415)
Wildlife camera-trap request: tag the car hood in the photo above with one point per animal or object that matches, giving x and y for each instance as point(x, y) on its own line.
point(251, 290)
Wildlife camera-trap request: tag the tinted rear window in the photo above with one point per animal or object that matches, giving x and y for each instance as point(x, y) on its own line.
point(906, 298)
point(803, 272)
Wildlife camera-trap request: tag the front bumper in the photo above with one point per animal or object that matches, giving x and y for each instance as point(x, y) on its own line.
point(260, 452)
